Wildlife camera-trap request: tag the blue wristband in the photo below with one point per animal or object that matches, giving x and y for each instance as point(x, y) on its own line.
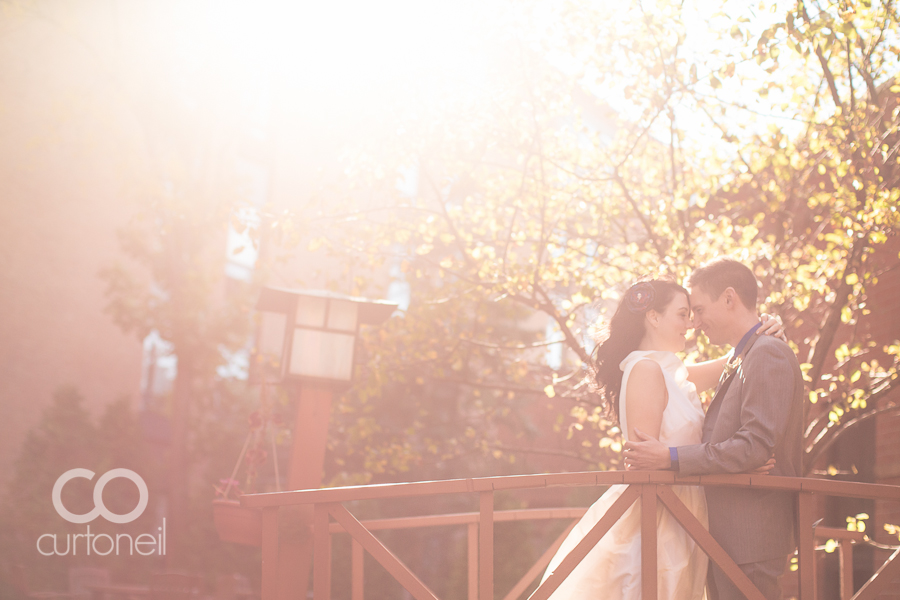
point(673, 456)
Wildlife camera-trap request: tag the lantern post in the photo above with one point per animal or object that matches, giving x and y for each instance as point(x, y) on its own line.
point(306, 342)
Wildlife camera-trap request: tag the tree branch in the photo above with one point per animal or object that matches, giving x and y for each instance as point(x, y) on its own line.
point(832, 431)
point(827, 331)
point(640, 215)
point(548, 308)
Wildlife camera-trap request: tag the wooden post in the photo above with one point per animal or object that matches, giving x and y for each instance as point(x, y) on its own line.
point(486, 547)
point(806, 546)
point(310, 436)
point(648, 542)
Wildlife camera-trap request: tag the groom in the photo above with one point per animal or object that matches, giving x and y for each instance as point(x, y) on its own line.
point(756, 413)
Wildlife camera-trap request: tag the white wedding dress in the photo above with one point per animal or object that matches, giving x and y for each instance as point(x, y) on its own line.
point(612, 569)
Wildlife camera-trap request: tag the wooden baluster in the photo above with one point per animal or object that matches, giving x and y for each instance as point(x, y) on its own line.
point(486, 549)
point(472, 559)
point(648, 542)
point(806, 546)
point(357, 562)
point(322, 558)
point(845, 550)
point(269, 553)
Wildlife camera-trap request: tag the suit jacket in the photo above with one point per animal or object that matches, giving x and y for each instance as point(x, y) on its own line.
point(758, 411)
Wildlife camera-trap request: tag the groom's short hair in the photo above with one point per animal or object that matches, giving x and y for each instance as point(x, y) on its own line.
point(717, 275)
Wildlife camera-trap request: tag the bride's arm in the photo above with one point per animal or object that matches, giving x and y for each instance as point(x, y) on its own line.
point(705, 375)
point(645, 398)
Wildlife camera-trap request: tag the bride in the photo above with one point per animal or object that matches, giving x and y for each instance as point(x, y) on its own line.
point(650, 389)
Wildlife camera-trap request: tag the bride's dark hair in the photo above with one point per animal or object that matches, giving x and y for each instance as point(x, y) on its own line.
point(625, 331)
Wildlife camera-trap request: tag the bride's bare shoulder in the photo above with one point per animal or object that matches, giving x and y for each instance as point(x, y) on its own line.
point(646, 367)
point(646, 378)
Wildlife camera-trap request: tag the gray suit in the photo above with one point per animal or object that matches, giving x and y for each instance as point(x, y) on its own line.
point(756, 412)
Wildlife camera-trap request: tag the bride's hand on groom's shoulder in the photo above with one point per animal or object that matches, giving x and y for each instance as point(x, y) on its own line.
point(771, 325)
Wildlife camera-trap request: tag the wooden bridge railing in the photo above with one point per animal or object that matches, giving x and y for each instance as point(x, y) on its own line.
point(650, 488)
point(470, 520)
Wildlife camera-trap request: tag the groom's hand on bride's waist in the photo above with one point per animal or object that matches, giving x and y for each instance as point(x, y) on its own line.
point(765, 469)
point(646, 453)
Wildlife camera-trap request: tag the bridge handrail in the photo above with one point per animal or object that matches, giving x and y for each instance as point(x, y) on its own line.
point(585, 478)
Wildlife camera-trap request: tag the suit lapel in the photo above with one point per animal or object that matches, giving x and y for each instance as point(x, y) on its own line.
point(727, 377)
point(724, 383)
point(713, 411)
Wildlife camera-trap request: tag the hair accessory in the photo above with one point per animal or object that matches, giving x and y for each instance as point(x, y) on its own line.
point(639, 297)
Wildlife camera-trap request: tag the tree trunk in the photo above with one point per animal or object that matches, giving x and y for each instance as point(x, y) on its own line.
point(178, 525)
